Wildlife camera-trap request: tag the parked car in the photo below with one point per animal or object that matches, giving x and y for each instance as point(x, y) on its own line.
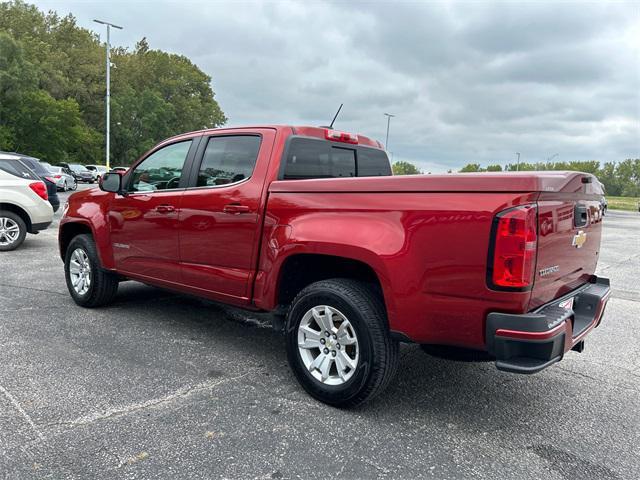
point(309, 224)
point(45, 175)
point(24, 205)
point(80, 172)
point(64, 178)
point(41, 172)
point(98, 170)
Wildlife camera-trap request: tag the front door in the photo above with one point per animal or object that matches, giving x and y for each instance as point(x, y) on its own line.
point(144, 222)
point(221, 214)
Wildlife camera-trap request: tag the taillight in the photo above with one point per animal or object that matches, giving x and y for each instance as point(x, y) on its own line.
point(513, 249)
point(51, 179)
point(337, 136)
point(40, 188)
point(57, 176)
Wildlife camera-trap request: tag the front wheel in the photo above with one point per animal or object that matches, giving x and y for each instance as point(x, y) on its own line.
point(338, 342)
point(88, 284)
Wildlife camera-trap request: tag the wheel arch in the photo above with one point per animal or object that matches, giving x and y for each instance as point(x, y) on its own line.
point(21, 212)
point(72, 228)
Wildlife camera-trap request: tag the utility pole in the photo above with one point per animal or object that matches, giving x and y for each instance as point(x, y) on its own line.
point(386, 143)
point(108, 95)
point(518, 164)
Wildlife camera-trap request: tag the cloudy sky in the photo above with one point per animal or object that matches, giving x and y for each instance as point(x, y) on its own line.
point(467, 81)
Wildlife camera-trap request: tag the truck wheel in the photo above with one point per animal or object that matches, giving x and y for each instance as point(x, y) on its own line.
point(12, 231)
point(88, 284)
point(338, 342)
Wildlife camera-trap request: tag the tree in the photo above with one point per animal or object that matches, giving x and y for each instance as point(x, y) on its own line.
point(404, 168)
point(471, 167)
point(51, 67)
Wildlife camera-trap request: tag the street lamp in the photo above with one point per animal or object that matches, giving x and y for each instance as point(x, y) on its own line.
point(386, 143)
point(108, 95)
point(518, 164)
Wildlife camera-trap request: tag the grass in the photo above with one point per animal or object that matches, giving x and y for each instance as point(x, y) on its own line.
point(623, 203)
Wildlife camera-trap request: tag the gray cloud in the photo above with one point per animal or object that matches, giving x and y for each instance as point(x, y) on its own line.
point(468, 81)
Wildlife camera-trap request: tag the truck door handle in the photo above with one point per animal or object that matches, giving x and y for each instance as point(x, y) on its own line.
point(165, 208)
point(235, 208)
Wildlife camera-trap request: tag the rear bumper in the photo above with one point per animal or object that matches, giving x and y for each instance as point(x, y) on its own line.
point(530, 342)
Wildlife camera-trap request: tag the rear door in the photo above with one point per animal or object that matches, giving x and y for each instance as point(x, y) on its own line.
point(569, 231)
point(221, 213)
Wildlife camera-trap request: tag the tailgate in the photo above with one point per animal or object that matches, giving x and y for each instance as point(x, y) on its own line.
point(569, 230)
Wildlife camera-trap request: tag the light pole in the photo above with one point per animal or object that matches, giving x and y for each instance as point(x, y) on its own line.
point(518, 164)
point(386, 143)
point(108, 95)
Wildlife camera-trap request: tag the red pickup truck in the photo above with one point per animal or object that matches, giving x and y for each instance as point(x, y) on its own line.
point(310, 224)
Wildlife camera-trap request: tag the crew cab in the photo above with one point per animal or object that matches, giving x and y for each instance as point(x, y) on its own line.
point(310, 224)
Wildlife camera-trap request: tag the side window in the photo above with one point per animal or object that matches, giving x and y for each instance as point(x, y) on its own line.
point(17, 168)
point(228, 160)
point(161, 170)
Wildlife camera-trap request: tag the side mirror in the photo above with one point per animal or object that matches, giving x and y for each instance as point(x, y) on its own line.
point(111, 182)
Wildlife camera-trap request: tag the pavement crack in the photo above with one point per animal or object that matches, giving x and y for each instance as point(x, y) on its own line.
point(32, 288)
point(136, 407)
point(24, 414)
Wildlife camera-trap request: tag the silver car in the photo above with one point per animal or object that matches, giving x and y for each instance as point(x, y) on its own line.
point(63, 177)
point(97, 170)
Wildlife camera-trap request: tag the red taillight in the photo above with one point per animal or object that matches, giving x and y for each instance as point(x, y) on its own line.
point(57, 176)
point(337, 136)
point(40, 188)
point(515, 242)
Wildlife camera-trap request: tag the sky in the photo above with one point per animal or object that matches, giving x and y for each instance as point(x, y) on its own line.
point(467, 81)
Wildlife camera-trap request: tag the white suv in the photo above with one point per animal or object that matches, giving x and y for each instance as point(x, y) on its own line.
point(23, 204)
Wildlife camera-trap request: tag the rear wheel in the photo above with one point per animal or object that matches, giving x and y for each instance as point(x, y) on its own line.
point(88, 284)
point(13, 230)
point(338, 343)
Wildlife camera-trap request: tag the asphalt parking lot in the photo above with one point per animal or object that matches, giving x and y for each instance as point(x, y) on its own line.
point(166, 386)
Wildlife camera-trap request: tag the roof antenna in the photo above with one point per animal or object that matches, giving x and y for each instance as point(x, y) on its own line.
point(336, 115)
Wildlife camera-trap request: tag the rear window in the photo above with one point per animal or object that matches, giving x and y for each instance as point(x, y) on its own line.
point(311, 158)
point(35, 165)
point(17, 168)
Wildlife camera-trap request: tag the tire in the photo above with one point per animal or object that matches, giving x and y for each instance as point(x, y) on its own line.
point(101, 286)
point(374, 353)
point(65, 187)
point(13, 231)
point(74, 186)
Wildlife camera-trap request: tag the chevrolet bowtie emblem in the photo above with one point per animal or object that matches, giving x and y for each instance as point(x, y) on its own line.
point(579, 239)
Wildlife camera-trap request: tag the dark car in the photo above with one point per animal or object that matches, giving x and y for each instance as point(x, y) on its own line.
point(80, 172)
point(42, 173)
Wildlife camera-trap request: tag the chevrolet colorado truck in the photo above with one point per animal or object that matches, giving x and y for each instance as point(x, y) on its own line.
point(310, 224)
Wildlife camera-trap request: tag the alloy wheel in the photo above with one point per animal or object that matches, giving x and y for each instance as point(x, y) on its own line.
point(80, 271)
point(9, 231)
point(328, 345)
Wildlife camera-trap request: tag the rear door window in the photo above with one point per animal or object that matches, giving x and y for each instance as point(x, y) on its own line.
point(228, 159)
point(17, 168)
point(35, 165)
point(310, 158)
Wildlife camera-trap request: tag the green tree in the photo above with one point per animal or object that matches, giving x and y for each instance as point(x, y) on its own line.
point(471, 167)
point(494, 168)
point(404, 168)
point(154, 94)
